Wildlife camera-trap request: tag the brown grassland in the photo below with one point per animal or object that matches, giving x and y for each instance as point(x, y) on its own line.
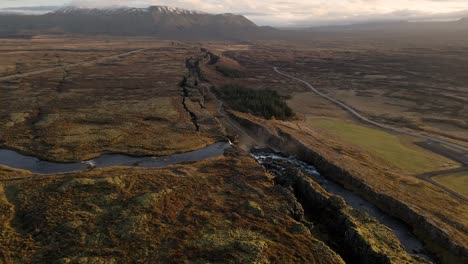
point(393, 82)
point(130, 105)
point(226, 209)
point(223, 210)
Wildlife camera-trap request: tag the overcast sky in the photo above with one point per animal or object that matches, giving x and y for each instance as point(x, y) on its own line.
point(291, 12)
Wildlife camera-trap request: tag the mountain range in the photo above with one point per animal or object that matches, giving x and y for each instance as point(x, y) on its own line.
point(160, 21)
point(182, 24)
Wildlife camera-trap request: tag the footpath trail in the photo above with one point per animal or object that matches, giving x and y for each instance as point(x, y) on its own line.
point(39, 71)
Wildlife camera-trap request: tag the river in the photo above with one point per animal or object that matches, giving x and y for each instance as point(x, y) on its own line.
point(16, 160)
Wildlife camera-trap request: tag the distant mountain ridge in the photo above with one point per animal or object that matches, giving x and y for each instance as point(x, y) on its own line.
point(399, 28)
point(123, 10)
point(159, 21)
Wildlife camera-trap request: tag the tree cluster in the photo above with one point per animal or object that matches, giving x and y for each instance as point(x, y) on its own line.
point(229, 72)
point(265, 103)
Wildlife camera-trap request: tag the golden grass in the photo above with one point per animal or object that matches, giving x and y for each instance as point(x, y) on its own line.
point(457, 182)
point(394, 149)
point(194, 213)
point(9, 173)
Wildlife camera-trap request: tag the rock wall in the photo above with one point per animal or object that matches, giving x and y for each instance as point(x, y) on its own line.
point(357, 237)
point(436, 239)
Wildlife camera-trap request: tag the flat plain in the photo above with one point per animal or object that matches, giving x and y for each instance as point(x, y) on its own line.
point(130, 104)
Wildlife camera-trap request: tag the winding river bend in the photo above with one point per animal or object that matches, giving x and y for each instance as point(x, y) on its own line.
point(16, 160)
point(402, 231)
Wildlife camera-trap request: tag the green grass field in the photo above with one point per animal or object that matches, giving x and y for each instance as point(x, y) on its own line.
point(391, 148)
point(457, 182)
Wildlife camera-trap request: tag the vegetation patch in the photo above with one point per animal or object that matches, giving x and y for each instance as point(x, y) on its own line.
point(390, 148)
point(265, 103)
point(457, 182)
point(230, 72)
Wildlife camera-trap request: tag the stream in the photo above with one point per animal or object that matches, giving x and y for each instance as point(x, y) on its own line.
point(16, 160)
point(402, 231)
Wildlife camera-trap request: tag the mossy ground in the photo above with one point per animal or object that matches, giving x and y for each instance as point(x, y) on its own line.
point(223, 210)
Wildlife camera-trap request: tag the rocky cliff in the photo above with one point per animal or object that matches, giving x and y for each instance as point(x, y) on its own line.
point(436, 238)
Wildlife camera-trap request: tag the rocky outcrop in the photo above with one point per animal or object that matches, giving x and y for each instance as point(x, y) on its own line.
point(436, 239)
point(357, 237)
point(193, 102)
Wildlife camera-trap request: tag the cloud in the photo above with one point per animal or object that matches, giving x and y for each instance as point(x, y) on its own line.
point(398, 15)
point(99, 4)
point(32, 10)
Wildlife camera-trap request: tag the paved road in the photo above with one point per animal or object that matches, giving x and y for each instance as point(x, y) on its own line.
point(430, 140)
point(116, 56)
point(367, 120)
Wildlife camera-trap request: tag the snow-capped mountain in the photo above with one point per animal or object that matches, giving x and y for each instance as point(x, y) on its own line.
point(160, 21)
point(127, 10)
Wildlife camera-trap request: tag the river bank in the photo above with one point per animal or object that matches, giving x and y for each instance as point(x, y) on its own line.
point(16, 160)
